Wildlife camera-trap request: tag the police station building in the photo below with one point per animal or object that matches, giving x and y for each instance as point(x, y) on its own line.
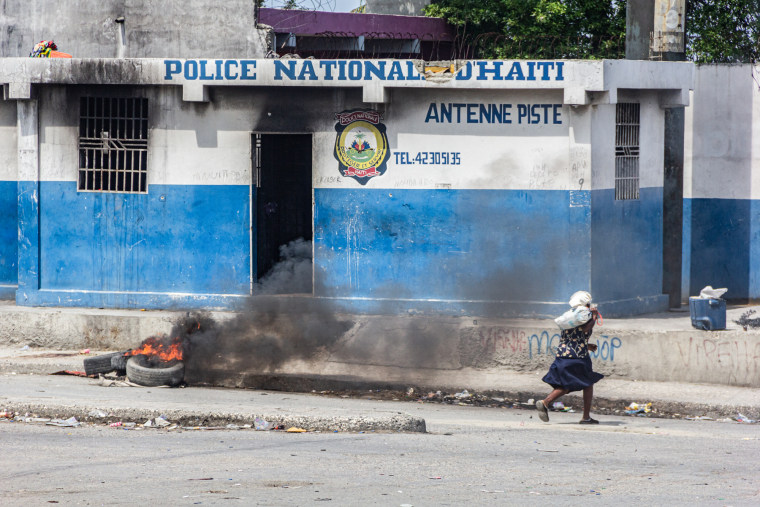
point(471, 188)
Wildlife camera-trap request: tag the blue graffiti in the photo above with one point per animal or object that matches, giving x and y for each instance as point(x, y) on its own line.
point(545, 344)
point(605, 350)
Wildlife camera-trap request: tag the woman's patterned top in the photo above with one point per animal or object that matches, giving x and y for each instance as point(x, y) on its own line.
point(573, 343)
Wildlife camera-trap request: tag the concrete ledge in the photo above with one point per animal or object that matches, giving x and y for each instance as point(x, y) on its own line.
point(8, 292)
point(657, 347)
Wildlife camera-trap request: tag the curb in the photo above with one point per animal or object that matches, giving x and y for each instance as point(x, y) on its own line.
point(214, 420)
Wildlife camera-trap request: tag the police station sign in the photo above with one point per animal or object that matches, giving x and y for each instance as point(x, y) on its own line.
point(538, 74)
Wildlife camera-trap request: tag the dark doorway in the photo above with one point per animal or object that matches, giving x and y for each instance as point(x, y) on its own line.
point(283, 198)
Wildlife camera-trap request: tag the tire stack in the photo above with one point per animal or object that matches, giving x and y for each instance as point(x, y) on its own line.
point(138, 369)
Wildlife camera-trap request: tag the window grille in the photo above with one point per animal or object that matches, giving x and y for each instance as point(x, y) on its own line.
point(627, 126)
point(113, 144)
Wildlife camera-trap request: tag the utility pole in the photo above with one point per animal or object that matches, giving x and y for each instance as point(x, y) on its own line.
point(656, 30)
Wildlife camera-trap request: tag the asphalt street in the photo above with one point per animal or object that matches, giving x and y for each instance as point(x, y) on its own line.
point(468, 455)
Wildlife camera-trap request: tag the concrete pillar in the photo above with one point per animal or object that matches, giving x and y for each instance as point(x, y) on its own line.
point(639, 23)
point(672, 205)
point(27, 112)
point(398, 7)
point(672, 198)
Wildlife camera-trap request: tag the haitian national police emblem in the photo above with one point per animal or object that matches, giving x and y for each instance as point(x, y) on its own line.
point(361, 146)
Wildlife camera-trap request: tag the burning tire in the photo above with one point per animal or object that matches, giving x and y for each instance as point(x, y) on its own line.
point(100, 364)
point(140, 370)
point(119, 364)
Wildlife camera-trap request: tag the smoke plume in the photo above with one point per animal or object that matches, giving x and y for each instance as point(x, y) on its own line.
point(270, 331)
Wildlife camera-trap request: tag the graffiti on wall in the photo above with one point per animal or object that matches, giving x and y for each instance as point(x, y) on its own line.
point(740, 358)
point(361, 144)
point(517, 341)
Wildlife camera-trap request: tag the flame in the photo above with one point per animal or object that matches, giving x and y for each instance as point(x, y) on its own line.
point(154, 346)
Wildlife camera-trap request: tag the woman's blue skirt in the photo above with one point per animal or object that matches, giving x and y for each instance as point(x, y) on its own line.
point(572, 374)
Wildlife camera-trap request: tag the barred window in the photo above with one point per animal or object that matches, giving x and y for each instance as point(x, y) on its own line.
point(113, 144)
point(627, 126)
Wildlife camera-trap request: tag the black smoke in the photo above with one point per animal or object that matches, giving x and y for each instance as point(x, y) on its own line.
point(277, 325)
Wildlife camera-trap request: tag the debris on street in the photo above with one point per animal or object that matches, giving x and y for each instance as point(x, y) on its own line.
point(71, 422)
point(744, 419)
point(70, 372)
point(260, 424)
point(638, 409)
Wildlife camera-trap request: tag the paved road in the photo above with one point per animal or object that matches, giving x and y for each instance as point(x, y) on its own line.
point(470, 455)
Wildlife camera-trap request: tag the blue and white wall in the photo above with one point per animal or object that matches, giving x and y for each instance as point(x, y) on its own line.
point(626, 243)
point(477, 213)
point(185, 243)
point(8, 207)
point(721, 239)
point(499, 228)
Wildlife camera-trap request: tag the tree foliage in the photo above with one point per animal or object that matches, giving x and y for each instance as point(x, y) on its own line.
point(537, 28)
point(723, 31)
point(717, 30)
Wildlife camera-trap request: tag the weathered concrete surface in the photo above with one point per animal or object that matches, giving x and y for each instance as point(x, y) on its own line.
point(64, 397)
point(171, 28)
point(661, 347)
point(403, 7)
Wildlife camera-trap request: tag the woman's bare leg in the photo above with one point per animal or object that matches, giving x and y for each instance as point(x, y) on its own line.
point(588, 394)
point(554, 395)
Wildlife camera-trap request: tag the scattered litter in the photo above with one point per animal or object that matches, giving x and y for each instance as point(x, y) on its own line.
point(558, 406)
point(115, 424)
point(531, 401)
point(435, 477)
point(638, 408)
point(744, 419)
point(96, 413)
point(70, 372)
point(84, 352)
point(293, 429)
point(745, 322)
point(260, 424)
point(232, 427)
point(25, 347)
point(410, 391)
point(105, 382)
point(463, 394)
point(68, 423)
point(161, 422)
point(6, 414)
point(700, 418)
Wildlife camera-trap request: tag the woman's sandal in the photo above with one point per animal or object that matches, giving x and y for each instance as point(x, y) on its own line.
point(543, 413)
point(588, 421)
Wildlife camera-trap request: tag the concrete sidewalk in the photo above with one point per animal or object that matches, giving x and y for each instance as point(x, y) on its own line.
point(651, 358)
point(23, 374)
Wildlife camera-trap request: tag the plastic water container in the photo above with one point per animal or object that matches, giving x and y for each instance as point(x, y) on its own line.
point(708, 314)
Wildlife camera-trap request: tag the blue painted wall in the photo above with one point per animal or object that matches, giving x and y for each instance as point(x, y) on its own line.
point(626, 245)
point(723, 246)
point(8, 237)
point(499, 245)
point(175, 239)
